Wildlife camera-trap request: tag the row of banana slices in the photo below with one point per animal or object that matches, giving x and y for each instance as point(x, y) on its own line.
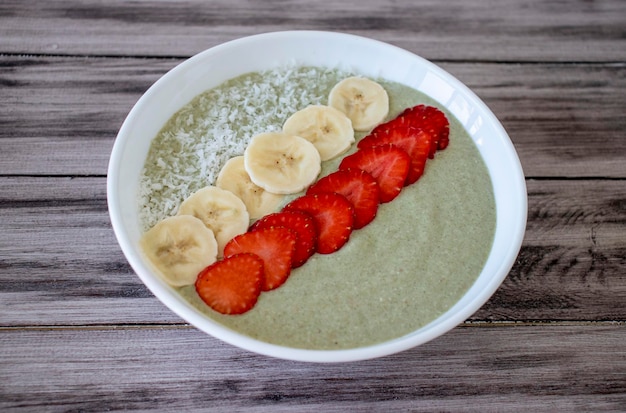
point(250, 186)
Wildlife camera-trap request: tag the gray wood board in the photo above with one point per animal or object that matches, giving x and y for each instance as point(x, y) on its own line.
point(460, 30)
point(564, 120)
point(496, 368)
point(62, 265)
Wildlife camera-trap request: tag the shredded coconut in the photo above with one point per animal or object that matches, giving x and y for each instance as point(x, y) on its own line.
point(196, 142)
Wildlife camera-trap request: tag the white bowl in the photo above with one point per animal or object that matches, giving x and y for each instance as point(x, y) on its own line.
point(370, 58)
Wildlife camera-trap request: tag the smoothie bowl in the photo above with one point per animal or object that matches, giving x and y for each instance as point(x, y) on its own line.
point(429, 255)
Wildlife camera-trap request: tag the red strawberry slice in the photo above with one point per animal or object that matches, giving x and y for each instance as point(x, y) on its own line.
point(403, 121)
point(299, 222)
point(415, 142)
point(428, 118)
point(358, 186)
point(388, 164)
point(275, 246)
point(232, 285)
point(333, 215)
point(432, 120)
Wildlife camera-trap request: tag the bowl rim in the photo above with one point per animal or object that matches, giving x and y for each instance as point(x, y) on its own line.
point(444, 323)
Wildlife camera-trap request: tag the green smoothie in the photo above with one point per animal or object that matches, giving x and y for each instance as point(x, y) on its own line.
point(418, 257)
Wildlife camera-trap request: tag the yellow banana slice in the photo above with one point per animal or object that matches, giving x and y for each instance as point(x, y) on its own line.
point(281, 163)
point(220, 210)
point(364, 101)
point(234, 178)
point(180, 247)
point(327, 128)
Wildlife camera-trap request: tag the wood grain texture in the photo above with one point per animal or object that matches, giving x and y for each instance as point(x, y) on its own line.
point(509, 30)
point(80, 332)
point(59, 259)
point(60, 263)
point(565, 120)
point(465, 370)
point(572, 261)
point(61, 116)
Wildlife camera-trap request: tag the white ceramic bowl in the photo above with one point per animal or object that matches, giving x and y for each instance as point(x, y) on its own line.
point(370, 58)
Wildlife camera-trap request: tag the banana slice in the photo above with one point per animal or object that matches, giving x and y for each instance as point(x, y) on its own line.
point(364, 101)
point(234, 178)
point(220, 210)
point(327, 128)
point(281, 163)
point(180, 247)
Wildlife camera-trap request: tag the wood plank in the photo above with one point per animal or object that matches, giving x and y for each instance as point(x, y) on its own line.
point(468, 369)
point(452, 30)
point(565, 120)
point(573, 257)
point(60, 263)
point(53, 109)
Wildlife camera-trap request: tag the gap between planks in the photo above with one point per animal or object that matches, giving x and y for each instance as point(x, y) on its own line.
point(184, 326)
point(614, 63)
point(527, 178)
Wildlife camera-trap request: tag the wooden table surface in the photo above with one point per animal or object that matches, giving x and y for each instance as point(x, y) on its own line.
point(80, 332)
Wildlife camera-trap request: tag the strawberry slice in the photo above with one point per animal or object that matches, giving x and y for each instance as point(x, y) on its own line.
point(275, 246)
point(431, 120)
point(299, 222)
point(333, 215)
point(415, 142)
point(358, 186)
point(427, 118)
point(232, 285)
point(388, 164)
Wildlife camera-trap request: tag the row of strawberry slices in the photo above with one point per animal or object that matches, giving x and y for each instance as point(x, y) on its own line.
point(391, 157)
